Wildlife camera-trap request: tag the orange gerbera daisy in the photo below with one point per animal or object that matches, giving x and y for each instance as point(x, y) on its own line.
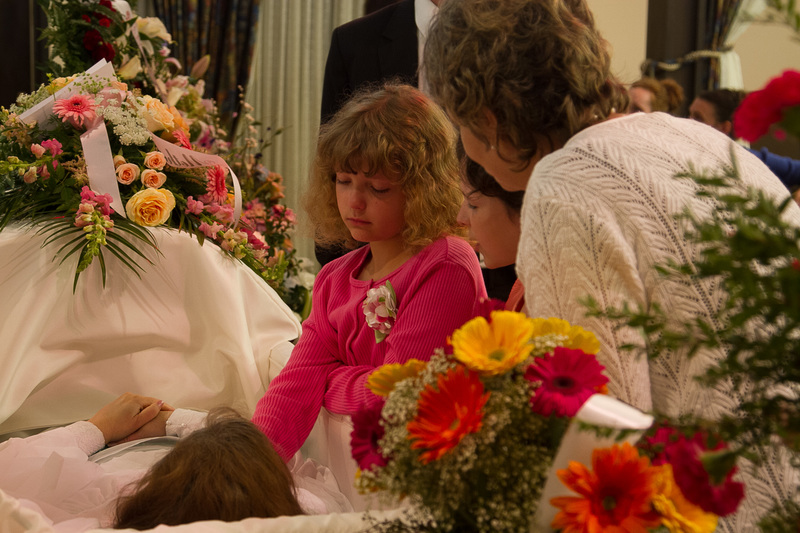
point(447, 415)
point(616, 494)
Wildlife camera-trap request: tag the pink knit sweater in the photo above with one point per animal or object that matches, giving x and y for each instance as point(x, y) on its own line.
point(436, 290)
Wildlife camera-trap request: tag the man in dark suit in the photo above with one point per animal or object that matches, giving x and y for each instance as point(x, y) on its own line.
point(368, 50)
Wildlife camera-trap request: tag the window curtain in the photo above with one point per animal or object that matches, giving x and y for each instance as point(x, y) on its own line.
point(225, 29)
point(285, 87)
point(728, 19)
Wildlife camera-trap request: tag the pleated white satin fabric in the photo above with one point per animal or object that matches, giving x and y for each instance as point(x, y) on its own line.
point(196, 330)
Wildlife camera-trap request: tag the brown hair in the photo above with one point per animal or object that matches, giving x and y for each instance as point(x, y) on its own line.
point(398, 131)
point(481, 181)
point(226, 471)
point(667, 93)
point(724, 102)
point(540, 66)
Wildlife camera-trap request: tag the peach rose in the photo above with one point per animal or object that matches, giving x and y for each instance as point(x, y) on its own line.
point(154, 160)
point(157, 114)
point(150, 207)
point(127, 173)
point(119, 160)
point(153, 179)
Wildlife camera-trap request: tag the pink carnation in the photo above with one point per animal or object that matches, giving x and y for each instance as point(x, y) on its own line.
point(53, 145)
point(211, 230)
point(78, 110)
point(194, 207)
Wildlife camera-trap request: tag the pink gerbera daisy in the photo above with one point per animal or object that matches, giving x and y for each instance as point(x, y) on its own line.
point(78, 110)
point(567, 378)
point(181, 139)
point(215, 186)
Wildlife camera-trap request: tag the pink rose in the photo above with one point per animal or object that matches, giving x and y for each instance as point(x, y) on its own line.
point(30, 175)
point(37, 150)
point(127, 173)
point(154, 160)
point(153, 179)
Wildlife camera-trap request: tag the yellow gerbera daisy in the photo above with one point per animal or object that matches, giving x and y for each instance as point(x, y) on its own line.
point(493, 347)
point(679, 515)
point(383, 380)
point(575, 337)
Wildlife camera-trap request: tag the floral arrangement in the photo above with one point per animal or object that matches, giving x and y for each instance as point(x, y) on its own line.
point(44, 178)
point(80, 33)
point(469, 436)
point(149, 95)
point(777, 103)
point(664, 483)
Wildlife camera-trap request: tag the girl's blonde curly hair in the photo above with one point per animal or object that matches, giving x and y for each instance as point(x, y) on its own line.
point(398, 131)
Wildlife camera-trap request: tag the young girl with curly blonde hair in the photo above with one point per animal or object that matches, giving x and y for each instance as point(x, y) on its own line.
point(385, 174)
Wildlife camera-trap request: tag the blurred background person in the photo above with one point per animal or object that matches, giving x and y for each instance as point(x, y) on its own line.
point(650, 95)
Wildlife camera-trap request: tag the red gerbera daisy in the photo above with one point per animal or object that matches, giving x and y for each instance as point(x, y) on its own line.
point(568, 377)
point(79, 110)
point(721, 496)
point(447, 415)
point(614, 496)
point(215, 186)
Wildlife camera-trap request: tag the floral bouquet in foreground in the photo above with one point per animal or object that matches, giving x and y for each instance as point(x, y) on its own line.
point(669, 482)
point(88, 168)
point(469, 437)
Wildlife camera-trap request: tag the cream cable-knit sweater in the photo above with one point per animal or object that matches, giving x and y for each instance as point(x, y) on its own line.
point(597, 217)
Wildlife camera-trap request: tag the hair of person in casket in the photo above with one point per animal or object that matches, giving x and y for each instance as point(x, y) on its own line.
point(226, 471)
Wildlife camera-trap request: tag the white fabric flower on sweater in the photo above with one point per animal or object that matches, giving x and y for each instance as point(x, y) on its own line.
point(380, 309)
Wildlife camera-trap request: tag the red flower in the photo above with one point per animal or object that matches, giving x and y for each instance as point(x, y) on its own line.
point(614, 496)
point(686, 456)
point(367, 431)
point(91, 39)
point(104, 22)
point(568, 377)
point(107, 4)
point(103, 51)
point(447, 415)
point(760, 109)
point(86, 18)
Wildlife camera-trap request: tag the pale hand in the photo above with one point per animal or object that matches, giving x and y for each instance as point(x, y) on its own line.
point(157, 427)
point(125, 415)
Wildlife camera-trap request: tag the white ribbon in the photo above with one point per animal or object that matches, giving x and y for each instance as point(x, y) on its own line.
point(100, 164)
point(179, 157)
point(599, 410)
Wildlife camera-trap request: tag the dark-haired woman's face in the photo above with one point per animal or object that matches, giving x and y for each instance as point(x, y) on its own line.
point(493, 229)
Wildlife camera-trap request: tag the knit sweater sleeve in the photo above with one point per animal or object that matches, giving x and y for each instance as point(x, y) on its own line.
point(288, 410)
point(440, 299)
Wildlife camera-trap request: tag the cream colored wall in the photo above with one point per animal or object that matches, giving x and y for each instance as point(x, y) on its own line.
point(624, 25)
point(766, 50)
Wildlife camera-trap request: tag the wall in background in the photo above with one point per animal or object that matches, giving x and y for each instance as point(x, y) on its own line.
point(624, 25)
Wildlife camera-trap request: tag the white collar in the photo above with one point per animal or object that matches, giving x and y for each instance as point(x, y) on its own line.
point(424, 11)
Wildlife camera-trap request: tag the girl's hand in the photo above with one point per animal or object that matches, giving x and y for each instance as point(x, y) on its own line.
point(125, 415)
point(157, 427)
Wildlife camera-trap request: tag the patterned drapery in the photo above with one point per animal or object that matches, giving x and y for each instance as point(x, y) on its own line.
point(225, 29)
point(727, 20)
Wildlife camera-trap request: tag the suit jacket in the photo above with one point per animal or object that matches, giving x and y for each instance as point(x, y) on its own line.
point(369, 50)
